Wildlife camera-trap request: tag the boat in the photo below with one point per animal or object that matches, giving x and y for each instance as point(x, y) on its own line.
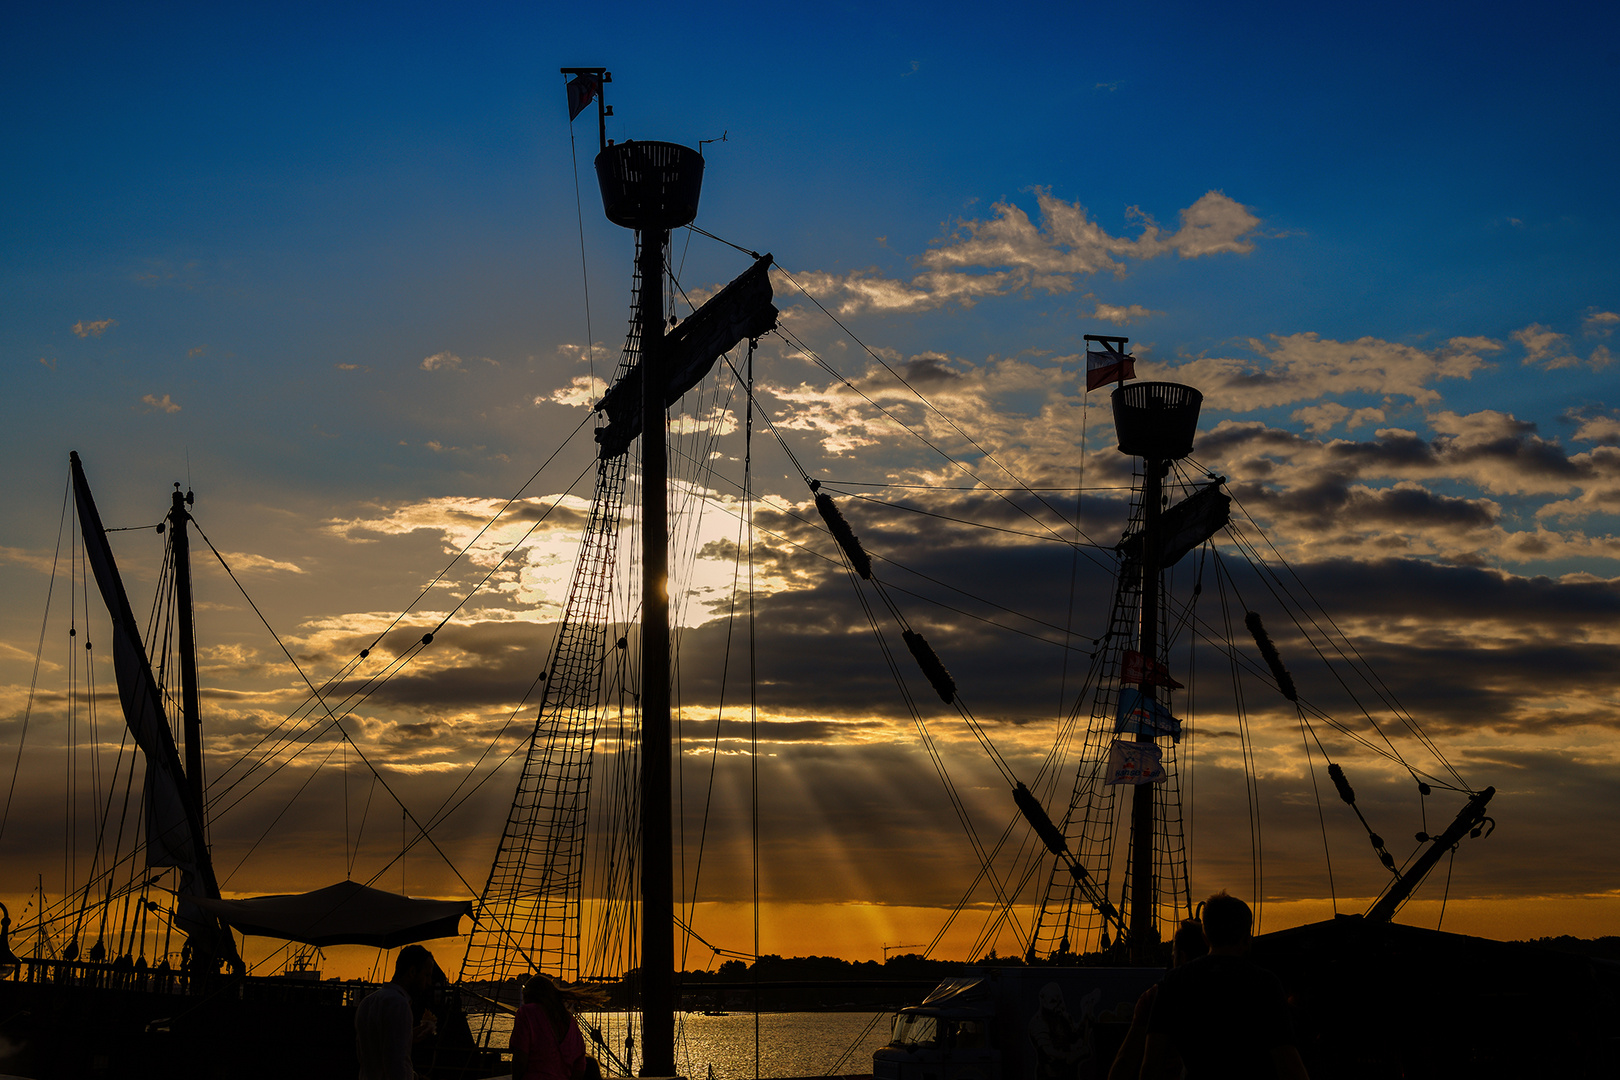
point(89, 1001)
point(1105, 901)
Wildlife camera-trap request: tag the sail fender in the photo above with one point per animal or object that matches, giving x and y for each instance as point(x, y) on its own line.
point(1268, 650)
point(839, 527)
point(932, 667)
point(740, 311)
point(1184, 526)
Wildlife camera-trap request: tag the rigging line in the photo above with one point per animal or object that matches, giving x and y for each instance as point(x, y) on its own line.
point(584, 269)
point(971, 487)
point(952, 795)
point(918, 573)
point(1309, 640)
point(725, 674)
point(1356, 660)
point(728, 243)
point(375, 681)
point(338, 724)
point(479, 535)
point(825, 486)
point(788, 336)
point(719, 715)
point(1451, 864)
point(281, 814)
point(753, 684)
point(39, 655)
point(901, 379)
point(1074, 571)
point(1222, 643)
point(1321, 816)
point(1245, 748)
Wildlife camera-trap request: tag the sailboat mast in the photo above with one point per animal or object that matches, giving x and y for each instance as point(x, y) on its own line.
point(1143, 929)
point(190, 709)
point(657, 863)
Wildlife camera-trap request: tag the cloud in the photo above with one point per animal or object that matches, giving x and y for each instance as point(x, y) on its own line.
point(1068, 242)
point(1120, 315)
point(196, 351)
point(241, 560)
point(162, 404)
point(1305, 367)
point(353, 367)
point(1599, 429)
point(1545, 347)
point(1600, 322)
point(1319, 419)
point(94, 329)
point(48, 361)
point(443, 361)
point(1009, 252)
point(582, 390)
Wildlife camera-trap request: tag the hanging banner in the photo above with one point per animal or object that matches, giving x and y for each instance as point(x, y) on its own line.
point(1141, 715)
point(1135, 763)
point(1139, 669)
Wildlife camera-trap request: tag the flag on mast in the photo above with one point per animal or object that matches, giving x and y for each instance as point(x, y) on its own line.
point(1135, 763)
point(1108, 365)
point(1141, 715)
point(582, 90)
point(1139, 669)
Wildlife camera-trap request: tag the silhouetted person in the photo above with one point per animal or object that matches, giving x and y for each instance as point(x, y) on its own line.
point(383, 1025)
point(1188, 945)
point(546, 1043)
point(1222, 1015)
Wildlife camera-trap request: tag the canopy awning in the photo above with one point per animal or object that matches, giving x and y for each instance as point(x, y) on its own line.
point(347, 913)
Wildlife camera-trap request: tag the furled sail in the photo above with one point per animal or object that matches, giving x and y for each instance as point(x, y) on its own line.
point(173, 828)
point(742, 309)
point(174, 822)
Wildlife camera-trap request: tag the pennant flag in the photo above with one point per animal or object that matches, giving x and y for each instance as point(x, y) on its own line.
point(1108, 366)
point(582, 90)
point(1141, 715)
point(1139, 669)
point(1135, 763)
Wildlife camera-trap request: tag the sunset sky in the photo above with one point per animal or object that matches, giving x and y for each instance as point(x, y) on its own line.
point(324, 266)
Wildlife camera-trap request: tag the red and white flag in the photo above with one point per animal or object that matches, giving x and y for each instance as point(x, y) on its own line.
point(1108, 366)
point(582, 90)
point(1139, 669)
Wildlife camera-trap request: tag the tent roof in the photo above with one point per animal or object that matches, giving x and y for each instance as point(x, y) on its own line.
point(347, 913)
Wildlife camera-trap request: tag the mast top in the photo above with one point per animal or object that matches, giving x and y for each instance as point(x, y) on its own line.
point(1156, 419)
point(650, 185)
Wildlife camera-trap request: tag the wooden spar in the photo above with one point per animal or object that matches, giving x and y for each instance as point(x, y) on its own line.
point(657, 862)
point(1144, 935)
point(190, 707)
point(1472, 815)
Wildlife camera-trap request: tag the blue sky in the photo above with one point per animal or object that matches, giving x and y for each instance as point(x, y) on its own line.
point(326, 264)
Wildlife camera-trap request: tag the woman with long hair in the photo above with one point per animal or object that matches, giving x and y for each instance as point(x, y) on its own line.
point(546, 1043)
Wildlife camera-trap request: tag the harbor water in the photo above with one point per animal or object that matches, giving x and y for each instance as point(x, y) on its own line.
point(790, 1043)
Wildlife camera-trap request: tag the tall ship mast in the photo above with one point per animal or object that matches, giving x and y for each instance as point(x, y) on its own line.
point(533, 899)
